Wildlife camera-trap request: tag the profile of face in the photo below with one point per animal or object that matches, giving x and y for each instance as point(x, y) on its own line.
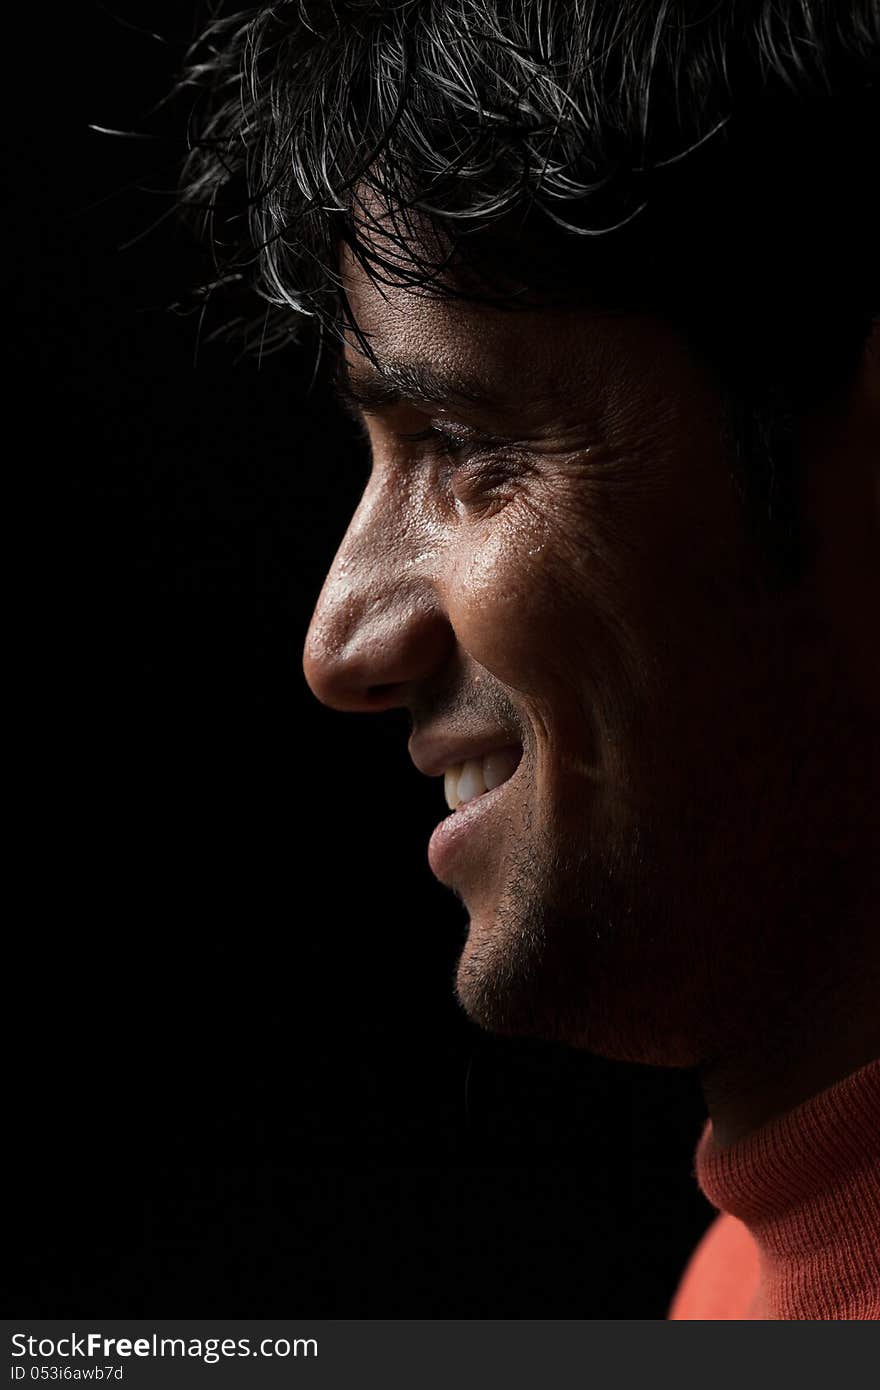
point(550, 563)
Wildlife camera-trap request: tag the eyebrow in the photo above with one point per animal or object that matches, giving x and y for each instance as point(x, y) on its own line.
point(399, 381)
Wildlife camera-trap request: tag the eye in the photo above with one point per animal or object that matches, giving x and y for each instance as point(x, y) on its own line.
point(444, 441)
point(479, 469)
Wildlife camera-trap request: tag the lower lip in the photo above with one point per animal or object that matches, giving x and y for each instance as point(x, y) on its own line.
point(459, 830)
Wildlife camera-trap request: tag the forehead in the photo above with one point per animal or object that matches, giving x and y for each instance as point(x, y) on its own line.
point(541, 349)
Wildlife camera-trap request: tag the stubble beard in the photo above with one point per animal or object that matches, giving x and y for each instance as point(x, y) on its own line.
point(580, 949)
point(667, 947)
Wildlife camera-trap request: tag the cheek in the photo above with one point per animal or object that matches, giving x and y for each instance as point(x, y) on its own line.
point(520, 602)
point(542, 598)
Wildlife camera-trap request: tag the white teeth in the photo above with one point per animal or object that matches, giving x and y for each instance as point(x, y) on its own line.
point(470, 780)
point(466, 780)
point(498, 767)
point(450, 786)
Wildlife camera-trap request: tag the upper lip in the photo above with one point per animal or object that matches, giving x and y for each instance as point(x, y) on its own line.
point(433, 753)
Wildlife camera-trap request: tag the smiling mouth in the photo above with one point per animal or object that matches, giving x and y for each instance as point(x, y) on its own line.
point(466, 841)
point(465, 782)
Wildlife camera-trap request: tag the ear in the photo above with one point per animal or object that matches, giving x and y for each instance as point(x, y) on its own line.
point(841, 447)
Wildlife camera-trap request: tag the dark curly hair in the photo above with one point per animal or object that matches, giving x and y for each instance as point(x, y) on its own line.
point(713, 161)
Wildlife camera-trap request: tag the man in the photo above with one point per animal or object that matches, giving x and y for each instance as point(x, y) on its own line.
point(600, 284)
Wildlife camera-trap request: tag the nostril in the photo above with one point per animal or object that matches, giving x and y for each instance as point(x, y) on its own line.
point(385, 696)
point(401, 639)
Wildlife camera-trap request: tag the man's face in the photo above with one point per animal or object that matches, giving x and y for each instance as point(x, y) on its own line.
point(571, 578)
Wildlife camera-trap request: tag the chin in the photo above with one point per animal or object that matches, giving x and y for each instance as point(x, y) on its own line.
point(602, 973)
point(532, 1005)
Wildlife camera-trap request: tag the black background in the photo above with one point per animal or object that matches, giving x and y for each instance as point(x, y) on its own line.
point(239, 1082)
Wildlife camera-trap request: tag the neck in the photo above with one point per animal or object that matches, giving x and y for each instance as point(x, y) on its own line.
point(807, 1046)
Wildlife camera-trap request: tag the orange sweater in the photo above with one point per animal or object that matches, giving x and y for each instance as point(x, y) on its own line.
point(798, 1235)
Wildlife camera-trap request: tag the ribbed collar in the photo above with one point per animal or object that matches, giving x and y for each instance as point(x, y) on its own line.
point(807, 1186)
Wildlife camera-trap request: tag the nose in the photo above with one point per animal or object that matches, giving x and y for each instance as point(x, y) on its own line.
point(379, 626)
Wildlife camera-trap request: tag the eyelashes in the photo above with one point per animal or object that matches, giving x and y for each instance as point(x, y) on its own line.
point(482, 474)
point(445, 444)
point(449, 444)
point(477, 469)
